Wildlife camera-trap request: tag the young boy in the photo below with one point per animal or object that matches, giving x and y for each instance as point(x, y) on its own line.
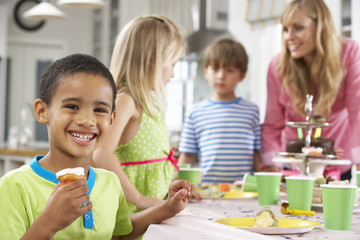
point(77, 100)
point(223, 133)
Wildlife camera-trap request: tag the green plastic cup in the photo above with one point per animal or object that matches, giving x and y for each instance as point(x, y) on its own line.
point(185, 165)
point(268, 187)
point(338, 203)
point(300, 191)
point(358, 178)
point(190, 174)
point(249, 183)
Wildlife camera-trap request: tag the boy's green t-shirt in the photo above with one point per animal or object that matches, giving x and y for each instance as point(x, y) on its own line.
point(24, 193)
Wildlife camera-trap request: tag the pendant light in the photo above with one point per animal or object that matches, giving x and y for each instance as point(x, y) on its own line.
point(82, 3)
point(44, 11)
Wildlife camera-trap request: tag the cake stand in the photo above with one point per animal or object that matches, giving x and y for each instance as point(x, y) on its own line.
point(309, 164)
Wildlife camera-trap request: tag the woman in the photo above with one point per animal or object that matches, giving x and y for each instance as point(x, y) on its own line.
point(314, 60)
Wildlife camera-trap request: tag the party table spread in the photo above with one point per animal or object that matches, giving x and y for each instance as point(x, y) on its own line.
point(197, 221)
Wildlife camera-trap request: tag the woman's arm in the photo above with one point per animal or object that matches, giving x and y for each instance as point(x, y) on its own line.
point(351, 60)
point(104, 156)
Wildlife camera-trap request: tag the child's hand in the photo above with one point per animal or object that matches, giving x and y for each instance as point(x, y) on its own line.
point(65, 204)
point(179, 193)
point(194, 195)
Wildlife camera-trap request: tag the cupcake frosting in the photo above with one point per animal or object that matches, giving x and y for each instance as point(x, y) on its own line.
point(77, 171)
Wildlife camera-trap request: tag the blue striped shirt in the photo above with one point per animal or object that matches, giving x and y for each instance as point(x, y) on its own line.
point(224, 135)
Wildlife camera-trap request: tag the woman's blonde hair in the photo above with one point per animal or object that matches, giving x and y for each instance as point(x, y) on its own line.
point(326, 70)
point(141, 51)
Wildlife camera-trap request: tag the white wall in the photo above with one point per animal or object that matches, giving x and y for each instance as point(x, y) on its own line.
point(261, 44)
point(3, 41)
point(75, 31)
point(74, 34)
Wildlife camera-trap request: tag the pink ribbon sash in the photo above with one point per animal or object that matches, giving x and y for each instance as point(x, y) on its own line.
point(170, 157)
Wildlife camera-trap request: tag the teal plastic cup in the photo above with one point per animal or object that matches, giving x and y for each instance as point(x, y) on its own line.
point(268, 187)
point(249, 183)
point(190, 174)
point(300, 192)
point(358, 178)
point(338, 204)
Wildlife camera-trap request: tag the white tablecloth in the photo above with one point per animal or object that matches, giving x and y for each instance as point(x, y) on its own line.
point(197, 222)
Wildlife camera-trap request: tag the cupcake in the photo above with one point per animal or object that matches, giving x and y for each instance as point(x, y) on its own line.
point(70, 174)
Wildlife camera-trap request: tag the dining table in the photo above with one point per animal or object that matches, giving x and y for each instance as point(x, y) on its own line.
point(198, 221)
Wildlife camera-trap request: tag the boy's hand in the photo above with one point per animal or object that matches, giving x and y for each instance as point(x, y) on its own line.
point(194, 195)
point(179, 193)
point(65, 204)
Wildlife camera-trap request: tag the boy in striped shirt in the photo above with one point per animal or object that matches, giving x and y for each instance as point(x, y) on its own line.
point(223, 133)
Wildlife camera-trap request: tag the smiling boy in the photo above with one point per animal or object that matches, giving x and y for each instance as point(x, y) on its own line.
point(77, 102)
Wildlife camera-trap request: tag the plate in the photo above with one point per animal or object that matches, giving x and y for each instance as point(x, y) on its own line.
point(303, 155)
point(307, 124)
point(286, 225)
point(214, 193)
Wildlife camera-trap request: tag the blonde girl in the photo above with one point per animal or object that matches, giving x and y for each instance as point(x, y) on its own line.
point(138, 149)
point(314, 60)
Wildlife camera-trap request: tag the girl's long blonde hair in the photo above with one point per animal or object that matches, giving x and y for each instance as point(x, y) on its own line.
point(141, 51)
point(326, 70)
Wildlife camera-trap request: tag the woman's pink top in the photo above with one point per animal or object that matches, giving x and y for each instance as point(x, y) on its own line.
point(345, 112)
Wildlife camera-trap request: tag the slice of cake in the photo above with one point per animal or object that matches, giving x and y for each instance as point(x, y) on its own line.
point(265, 218)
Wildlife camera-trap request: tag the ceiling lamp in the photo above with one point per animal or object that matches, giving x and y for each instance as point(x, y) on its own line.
point(44, 11)
point(82, 3)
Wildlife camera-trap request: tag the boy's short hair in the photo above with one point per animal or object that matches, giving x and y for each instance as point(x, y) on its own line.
point(226, 53)
point(68, 66)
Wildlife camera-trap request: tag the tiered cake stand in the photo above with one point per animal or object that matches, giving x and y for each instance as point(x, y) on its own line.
point(310, 165)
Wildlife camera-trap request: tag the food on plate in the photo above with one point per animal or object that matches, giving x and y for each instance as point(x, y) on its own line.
point(317, 119)
point(312, 150)
point(265, 218)
point(205, 186)
point(296, 145)
point(317, 194)
point(224, 187)
point(319, 181)
point(336, 182)
point(238, 184)
point(68, 175)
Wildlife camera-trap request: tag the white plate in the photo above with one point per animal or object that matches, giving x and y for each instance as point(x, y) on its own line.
point(286, 225)
point(303, 155)
point(313, 161)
